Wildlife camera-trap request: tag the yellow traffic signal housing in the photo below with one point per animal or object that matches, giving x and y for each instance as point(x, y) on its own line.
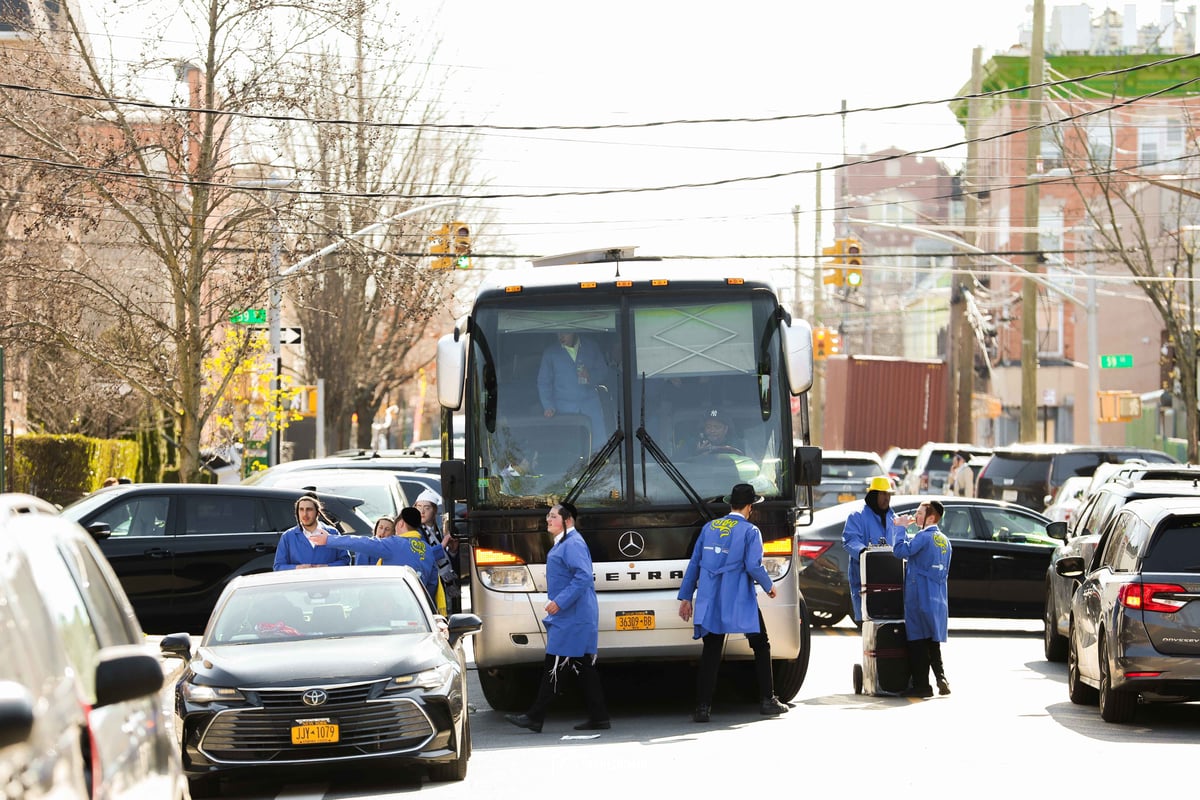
point(833, 274)
point(439, 248)
point(820, 343)
point(460, 241)
point(852, 258)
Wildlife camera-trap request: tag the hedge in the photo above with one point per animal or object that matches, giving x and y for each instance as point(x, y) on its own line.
point(63, 468)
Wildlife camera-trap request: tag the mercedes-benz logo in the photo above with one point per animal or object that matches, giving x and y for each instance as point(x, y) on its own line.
point(315, 697)
point(631, 544)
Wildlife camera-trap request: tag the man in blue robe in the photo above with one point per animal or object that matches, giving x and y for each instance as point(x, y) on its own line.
point(926, 606)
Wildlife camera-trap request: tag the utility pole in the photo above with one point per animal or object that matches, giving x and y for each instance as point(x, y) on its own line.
point(964, 334)
point(1029, 289)
point(817, 396)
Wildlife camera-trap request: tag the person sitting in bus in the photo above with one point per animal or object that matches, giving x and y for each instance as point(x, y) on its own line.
point(570, 372)
point(717, 435)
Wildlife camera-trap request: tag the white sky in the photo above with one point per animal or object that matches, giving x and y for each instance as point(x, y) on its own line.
point(548, 61)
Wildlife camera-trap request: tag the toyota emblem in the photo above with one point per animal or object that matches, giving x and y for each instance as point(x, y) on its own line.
point(315, 697)
point(631, 544)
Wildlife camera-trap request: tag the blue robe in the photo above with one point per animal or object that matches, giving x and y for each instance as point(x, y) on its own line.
point(724, 567)
point(864, 527)
point(294, 548)
point(575, 630)
point(559, 387)
point(926, 606)
point(407, 549)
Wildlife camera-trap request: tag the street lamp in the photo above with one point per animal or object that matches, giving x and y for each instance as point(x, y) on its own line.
point(273, 311)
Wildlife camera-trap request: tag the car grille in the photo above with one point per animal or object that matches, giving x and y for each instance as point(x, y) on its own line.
point(264, 733)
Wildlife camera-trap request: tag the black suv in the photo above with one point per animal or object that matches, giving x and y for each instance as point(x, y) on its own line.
point(174, 546)
point(1098, 508)
point(1027, 473)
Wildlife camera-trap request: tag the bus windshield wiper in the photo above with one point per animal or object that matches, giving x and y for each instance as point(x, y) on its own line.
point(650, 446)
point(596, 464)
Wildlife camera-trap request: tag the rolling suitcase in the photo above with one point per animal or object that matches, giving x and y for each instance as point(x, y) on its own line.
point(884, 669)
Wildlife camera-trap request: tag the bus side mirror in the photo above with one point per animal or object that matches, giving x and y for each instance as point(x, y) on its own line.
point(454, 480)
point(798, 355)
point(451, 370)
point(808, 466)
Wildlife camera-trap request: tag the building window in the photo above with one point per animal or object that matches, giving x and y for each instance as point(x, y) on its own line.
point(1161, 144)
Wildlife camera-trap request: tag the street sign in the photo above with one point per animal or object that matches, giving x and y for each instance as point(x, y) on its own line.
point(286, 335)
point(251, 316)
point(1122, 361)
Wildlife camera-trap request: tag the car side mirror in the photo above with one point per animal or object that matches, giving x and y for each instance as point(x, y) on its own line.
point(99, 531)
point(1057, 530)
point(176, 645)
point(460, 625)
point(1070, 567)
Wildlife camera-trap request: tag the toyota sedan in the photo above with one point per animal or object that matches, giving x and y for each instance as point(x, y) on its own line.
point(323, 668)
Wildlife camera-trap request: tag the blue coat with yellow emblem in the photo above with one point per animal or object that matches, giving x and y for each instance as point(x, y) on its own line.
point(725, 566)
point(405, 549)
point(574, 630)
point(926, 607)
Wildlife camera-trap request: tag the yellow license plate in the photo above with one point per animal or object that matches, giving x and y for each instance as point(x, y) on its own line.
point(846, 497)
point(315, 733)
point(635, 620)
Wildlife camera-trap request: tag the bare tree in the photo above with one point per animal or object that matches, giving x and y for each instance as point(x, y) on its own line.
point(169, 226)
point(371, 309)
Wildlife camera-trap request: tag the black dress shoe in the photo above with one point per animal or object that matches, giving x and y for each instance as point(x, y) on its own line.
point(701, 714)
point(924, 691)
point(943, 686)
point(522, 721)
point(771, 707)
point(594, 725)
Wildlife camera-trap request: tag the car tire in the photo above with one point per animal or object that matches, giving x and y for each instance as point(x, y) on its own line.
point(1054, 644)
point(509, 688)
point(789, 674)
point(1115, 706)
point(1080, 693)
point(858, 679)
point(455, 770)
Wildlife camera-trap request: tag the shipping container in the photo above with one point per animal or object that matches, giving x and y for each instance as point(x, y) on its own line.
point(876, 402)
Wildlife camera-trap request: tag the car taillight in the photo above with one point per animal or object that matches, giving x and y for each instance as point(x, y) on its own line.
point(1149, 597)
point(811, 551)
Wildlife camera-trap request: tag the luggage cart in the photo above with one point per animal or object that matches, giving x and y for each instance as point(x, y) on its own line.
point(884, 668)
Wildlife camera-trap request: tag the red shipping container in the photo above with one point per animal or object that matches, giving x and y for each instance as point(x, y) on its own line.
point(875, 402)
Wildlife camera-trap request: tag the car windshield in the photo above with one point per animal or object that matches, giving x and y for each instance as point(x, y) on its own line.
point(315, 610)
point(849, 469)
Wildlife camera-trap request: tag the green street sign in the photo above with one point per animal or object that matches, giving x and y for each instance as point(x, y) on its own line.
point(251, 316)
point(1122, 361)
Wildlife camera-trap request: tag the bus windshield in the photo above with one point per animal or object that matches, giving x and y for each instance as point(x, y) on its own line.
point(562, 390)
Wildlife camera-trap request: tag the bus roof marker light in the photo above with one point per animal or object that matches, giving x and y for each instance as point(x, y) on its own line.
point(587, 284)
point(512, 289)
point(624, 284)
point(659, 282)
point(735, 281)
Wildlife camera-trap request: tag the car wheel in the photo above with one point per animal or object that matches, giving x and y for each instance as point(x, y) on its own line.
point(1054, 644)
point(1115, 706)
point(1080, 693)
point(858, 679)
point(509, 688)
point(455, 770)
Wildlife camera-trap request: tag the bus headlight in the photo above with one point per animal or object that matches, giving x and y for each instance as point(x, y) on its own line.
point(506, 579)
point(776, 567)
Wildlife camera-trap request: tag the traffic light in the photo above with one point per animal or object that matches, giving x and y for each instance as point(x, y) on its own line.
point(460, 236)
point(833, 274)
point(820, 344)
point(853, 260)
point(439, 248)
point(1166, 364)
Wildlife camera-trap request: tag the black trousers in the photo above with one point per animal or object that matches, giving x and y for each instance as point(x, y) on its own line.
point(924, 655)
point(710, 664)
point(554, 669)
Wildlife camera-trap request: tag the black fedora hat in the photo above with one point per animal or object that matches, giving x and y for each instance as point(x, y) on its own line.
point(743, 494)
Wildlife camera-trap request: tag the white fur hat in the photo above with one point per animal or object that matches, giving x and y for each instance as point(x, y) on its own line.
point(429, 496)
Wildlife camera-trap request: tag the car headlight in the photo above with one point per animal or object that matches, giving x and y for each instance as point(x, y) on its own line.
point(776, 567)
point(197, 693)
point(432, 678)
